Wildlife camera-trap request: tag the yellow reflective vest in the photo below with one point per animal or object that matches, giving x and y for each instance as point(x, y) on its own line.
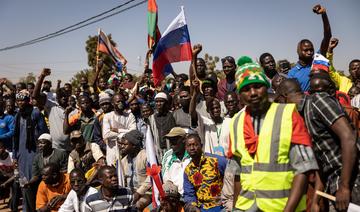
point(267, 177)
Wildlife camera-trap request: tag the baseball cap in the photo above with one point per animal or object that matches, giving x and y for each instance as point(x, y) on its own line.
point(171, 190)
point(176, 131)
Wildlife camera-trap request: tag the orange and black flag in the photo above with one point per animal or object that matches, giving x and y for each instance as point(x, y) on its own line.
point(105, 46)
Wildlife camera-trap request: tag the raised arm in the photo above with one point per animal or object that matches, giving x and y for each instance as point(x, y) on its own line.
point(320, 10)
point(58, 85)
point(336, 77)
point(7, 83)
point(195, 51)
point(44, 73)
point(192, 108)
point(192, 70)
point(66, 125)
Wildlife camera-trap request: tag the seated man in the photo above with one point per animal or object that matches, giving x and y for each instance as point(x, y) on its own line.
point(53, 189)
point(110, 196)
point(84, 154)
point(134, 166)
point(203, 177)
point(75, 201)
point(176, 159)
point(46, 154)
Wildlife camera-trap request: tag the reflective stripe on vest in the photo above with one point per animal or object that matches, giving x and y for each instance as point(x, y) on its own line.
point(267, 177)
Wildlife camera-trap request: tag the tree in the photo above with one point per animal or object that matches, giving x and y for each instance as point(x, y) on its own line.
point(211, 62)
point(105, 62)
point(29, 78)
point(88, 73)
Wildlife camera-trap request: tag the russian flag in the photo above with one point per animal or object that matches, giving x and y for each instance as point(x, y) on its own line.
point(320, 63)
point(173, 46)
point(153, 169)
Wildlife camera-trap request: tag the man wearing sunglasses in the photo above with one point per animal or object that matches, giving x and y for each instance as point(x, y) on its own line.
point(75, 200)
point(228, 83)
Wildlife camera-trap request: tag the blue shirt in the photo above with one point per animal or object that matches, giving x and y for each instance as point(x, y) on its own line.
point(7, 127)
point(301, 73)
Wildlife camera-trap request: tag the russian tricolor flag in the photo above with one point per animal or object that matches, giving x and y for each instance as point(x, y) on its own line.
point(153, 169)
point(320, 63)
point(174, 46)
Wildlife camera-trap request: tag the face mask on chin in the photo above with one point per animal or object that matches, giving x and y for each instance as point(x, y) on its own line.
point(121, 106)
point(184, 103)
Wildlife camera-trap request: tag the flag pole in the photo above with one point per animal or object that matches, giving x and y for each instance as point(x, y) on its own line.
point(97, 52)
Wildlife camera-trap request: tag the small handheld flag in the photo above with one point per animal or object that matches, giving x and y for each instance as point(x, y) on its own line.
point(320, 63)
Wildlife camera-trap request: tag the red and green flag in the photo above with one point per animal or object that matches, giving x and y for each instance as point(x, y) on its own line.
point(153, 29)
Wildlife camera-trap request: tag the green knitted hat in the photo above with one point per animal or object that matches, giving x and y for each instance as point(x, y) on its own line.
point(250, 73)
point(243, 60)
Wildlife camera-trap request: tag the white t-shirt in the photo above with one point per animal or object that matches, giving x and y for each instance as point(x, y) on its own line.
point(73, 203)
point(215, 137)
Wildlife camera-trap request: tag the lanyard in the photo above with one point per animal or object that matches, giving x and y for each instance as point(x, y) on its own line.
point(218, 133)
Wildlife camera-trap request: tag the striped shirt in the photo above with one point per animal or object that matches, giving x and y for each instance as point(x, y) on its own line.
point(320, 112)
point(121, 202)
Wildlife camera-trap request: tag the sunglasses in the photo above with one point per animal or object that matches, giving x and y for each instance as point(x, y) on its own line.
point(228, 58)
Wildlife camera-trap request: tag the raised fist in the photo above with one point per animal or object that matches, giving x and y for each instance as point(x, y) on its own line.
point(196, 49)
point(46, 72)
point(333, 43)
point(318, 9)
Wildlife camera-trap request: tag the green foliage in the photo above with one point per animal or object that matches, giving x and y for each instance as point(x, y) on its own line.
point(29, 78)
point(75, 80)
point(105, 62)
point(211, 62)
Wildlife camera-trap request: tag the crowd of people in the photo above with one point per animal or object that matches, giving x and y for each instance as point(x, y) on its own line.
point(266, 137)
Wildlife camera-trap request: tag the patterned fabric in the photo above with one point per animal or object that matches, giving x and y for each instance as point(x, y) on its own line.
point(121, 202)
point(173, 168)
point(170, 158)
point(320, 112)
point(250, 73)
point(203, 183)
